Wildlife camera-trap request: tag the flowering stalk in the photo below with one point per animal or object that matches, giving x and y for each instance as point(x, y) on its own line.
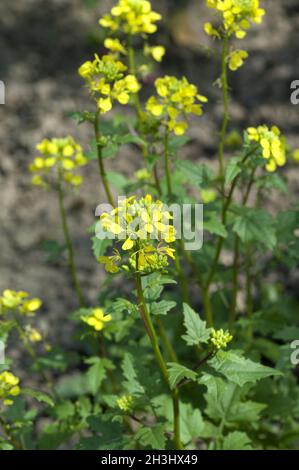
point(100, 159)
point(159, 358)
point(132, 70)
point(236, 264)
point(68, 240)
point(166, 162)
point(226, 205)
point(225, 97)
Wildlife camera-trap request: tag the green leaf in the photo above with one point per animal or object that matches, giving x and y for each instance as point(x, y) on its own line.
point(214, 225)
point(80, 117)
point(97, 372)
point(236, 440)
point(233, 169)
point(53, 435)
point(110, 150)
point(129, 139)
point(109, 434)
point(152, 437)
point(153, 286)
point(162, 308)
point(176, 142)
point(239, 370)
point(197, 331)
point(255, 225)
point(38, 395)
point(177, 372)
point(64, 410)
point(118, 180)
point(100, 246)
point(131, 383)
point(194, 173)
point(191, 422)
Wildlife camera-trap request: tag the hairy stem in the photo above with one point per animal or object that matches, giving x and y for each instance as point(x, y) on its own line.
point(225, 98)
point(167, 163)
point(132, 70)
point(100, 160)
point(159, 358)
point(68, 242)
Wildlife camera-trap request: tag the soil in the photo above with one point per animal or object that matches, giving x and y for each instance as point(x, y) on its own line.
point(42, 44)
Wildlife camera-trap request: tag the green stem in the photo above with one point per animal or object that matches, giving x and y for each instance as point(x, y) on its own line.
point(159, 358)
point(225, 97)
point(248, 265)
point(100, 160)
point(132, 70)
point(68, 241)
point(9, 435)
point(156, 179)
point(236, 267)
point(165, 340)
point(182, 278)
point(225, 208)
point(207, 306)
point(167, 163)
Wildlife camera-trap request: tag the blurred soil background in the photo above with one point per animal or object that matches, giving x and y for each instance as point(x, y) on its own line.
point(42, 44)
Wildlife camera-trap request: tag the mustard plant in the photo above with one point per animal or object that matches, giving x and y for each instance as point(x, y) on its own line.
point(182, 348)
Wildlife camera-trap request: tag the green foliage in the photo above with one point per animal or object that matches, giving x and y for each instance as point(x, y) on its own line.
point(135, 365)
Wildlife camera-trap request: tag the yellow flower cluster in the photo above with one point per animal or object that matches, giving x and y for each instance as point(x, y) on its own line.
point(106, 79)
point(9, 387)
point(272, 145)
point(236, 59)
point(96, 319)
point(176, 98)
point(139, 222)
point(156, 52)
point(19, 300)
point(236, 17)
point(131, 17)
point(125, 403)
point(220, 338)
point(63, 154)
point(32, 334)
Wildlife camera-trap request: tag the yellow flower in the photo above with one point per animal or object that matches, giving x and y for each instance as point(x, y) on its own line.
point(157, 52)
point(114, 45)
point(9, 387)
point(208, 195)
point(236, 59)
point(107, 81)
point(236, 17)
point(210, 31)
point(18, 300)
point(295, 155)
point(33, 334)
point(140, 224)
point(220, 338)
point(125, 403)
point(65, 154)
point(175, 99)
point(271, 143)
point(96, 319)
point(133, 17)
